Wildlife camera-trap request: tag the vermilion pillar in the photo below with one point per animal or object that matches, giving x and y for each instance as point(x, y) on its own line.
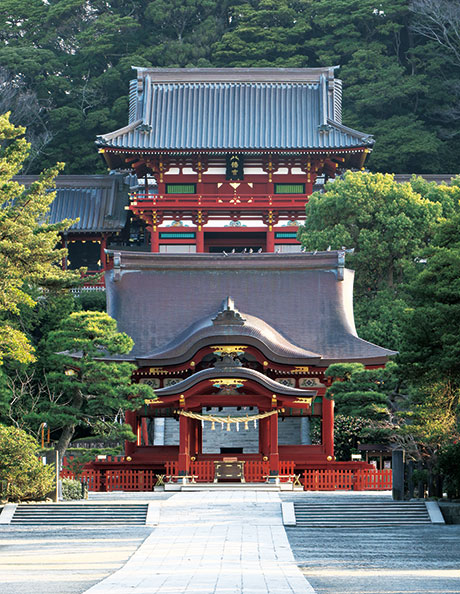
point(154, 240)
point(274, 455)
point(195, 437)
point(184, 445)
point(328, 427)
point(264, 437)
point(103, 257)
point(270, 240)
point(200, 240)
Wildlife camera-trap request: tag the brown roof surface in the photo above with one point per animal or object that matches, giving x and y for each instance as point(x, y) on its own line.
point(165, 301)
point(235, 372)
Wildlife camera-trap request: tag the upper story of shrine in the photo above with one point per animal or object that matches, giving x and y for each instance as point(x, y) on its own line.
point(233, 142)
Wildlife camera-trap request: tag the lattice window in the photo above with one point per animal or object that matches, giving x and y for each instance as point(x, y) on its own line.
point(180, 188)
point(289, 188)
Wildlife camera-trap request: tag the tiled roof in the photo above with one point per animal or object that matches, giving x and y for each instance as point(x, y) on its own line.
point(167, 302)
point(97, 201)
point(202, 110)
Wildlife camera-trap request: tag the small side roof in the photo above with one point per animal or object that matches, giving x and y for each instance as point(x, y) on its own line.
point(97, 201)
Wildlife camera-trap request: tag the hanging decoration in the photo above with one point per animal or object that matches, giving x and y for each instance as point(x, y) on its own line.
point(228, 420)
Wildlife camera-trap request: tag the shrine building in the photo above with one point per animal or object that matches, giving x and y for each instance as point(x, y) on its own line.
point(227, 158)
point(231, 327)
point(236, 347)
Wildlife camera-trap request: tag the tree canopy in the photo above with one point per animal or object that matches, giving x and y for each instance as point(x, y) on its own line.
point(28, 254)
point(96, 391)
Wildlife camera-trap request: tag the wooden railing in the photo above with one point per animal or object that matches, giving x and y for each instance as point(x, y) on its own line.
point(219, 201)
point(203, 470)
point(347, 479)
point(255, 471)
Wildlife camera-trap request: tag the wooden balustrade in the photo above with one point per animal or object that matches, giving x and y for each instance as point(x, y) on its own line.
point(347, 479)
point(255, 471)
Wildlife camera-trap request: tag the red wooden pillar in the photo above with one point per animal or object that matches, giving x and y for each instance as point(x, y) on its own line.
point(270, 219)
point(144, 433)
point(274, 458)
point(270, 240)
point(130, 446)
point(195, 437)
point(264, 436)
point(184, 445)
point(199, 438)
point(328, 427)
point(199, 220)
point(154, 239)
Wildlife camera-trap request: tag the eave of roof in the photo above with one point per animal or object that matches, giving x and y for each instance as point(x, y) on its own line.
point(234, 372)
point(306, 298)
point(97, 201)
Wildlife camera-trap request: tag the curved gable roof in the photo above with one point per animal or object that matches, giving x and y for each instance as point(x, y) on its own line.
point(229, 326)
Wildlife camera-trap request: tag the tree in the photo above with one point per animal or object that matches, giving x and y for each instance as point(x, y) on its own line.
point(358, 392)
point(439, 20)
point(430, 422)
point(384, 221)
point(28, 254)
point(21, 470)
point(431, 345)
point(97, 392)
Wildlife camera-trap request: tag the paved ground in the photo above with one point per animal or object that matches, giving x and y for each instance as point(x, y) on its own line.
point(213, 542)
point(63, 560)
point(416, 560)
point(419, 560)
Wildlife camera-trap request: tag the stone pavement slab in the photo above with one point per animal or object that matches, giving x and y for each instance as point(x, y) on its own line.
point(400, 560)
point(218, 542)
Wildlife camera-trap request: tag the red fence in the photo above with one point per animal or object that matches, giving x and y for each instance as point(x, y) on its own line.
point(255, 471)
point(347, 479)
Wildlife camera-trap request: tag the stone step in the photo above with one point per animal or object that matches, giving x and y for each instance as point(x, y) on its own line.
point(64, 514)
point(228, 487)
point(354, 514)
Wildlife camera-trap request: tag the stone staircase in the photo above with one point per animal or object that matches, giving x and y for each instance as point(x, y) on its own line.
point(358, 512)
point(64, 514)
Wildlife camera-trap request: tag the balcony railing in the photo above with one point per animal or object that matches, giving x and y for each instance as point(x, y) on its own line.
point(219, 201)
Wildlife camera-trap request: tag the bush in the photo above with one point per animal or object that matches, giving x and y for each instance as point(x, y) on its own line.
point(449, 467)
point(21, 470)
point(71, 489)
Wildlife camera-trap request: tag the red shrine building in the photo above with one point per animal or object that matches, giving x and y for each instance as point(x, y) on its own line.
point(232, 328)
point(236, 348)
point(227, 158)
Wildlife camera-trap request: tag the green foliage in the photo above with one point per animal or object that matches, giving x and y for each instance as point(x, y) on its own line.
point(431, 346)
point(385, 222)
point(20, 467)
point(97, 391)
point(450, 468)
point(71, 489)
point(349, 433)
point(362, 393)
point(28, 254)
point(430, 421)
